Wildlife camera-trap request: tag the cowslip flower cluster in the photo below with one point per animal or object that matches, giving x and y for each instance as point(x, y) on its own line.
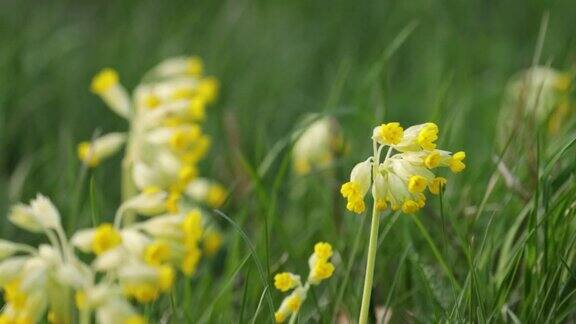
point(540, 97)
point(317, 146)
point(144, 256)
point(320, 269)
point(541, 93)
point(136, 262)
point(165, 141)
point(407, 172)
point(37, 283)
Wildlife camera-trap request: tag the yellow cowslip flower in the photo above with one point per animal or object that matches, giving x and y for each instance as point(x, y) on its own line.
point(279, 317)
point(317, 146)
point(190, 260)
point(456, 164)
point(186, 174)
point(402, 178)
point(192, 230)
point(165, 278)
point(436, 185)
point(157, 253)
point(291, 304)
point(182, 138)
point(294, 302)
point(319, 262)
point(216, 195)
point(197, 109)
point(185, 93)
point(417, 184)
point(192, 226)
point(104, 80)
point(173, 201)
point(105, 238)
point(418, 137)
point(285, 281)
point(194, 65)
point(320, 269)
point(541, 94)
point(410, 206)
point(86, 155)
point(357, 187)
point(151, 101)
point(145, 284)
point(212, 242)
point(432, 160)
point(14, 295)
point(197, 151)
point(142, 292)
point(207, 191)
point(106, 84)
point(323, 250)
point(208, 89)
point(388, 134)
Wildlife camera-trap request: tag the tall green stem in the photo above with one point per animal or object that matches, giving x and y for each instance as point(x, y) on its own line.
point(372, 245)
point(368, 278)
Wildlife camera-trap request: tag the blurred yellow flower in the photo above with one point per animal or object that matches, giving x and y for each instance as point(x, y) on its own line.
point(317, 146)
point(320, 269)
point(105, 238)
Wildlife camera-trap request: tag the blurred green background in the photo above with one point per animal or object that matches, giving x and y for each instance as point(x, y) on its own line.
point(277, 61)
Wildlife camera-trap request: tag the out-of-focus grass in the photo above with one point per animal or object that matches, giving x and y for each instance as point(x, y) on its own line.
point(278, 60)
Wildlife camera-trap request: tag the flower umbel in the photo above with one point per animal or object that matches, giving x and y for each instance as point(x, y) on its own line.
point(320, 269)
point(401, 180)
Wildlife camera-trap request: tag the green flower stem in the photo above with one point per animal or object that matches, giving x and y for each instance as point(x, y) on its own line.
point(368, 278)
point(372, 246)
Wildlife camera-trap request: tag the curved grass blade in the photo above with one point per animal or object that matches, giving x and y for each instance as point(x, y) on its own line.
point(261, 272)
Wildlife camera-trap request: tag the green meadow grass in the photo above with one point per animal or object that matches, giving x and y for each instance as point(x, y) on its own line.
point(479, 253)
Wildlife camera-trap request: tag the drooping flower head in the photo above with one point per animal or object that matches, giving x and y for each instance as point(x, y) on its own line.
point(540, 93)
point(401, 180)
point(321, 268)
point(317, 146)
